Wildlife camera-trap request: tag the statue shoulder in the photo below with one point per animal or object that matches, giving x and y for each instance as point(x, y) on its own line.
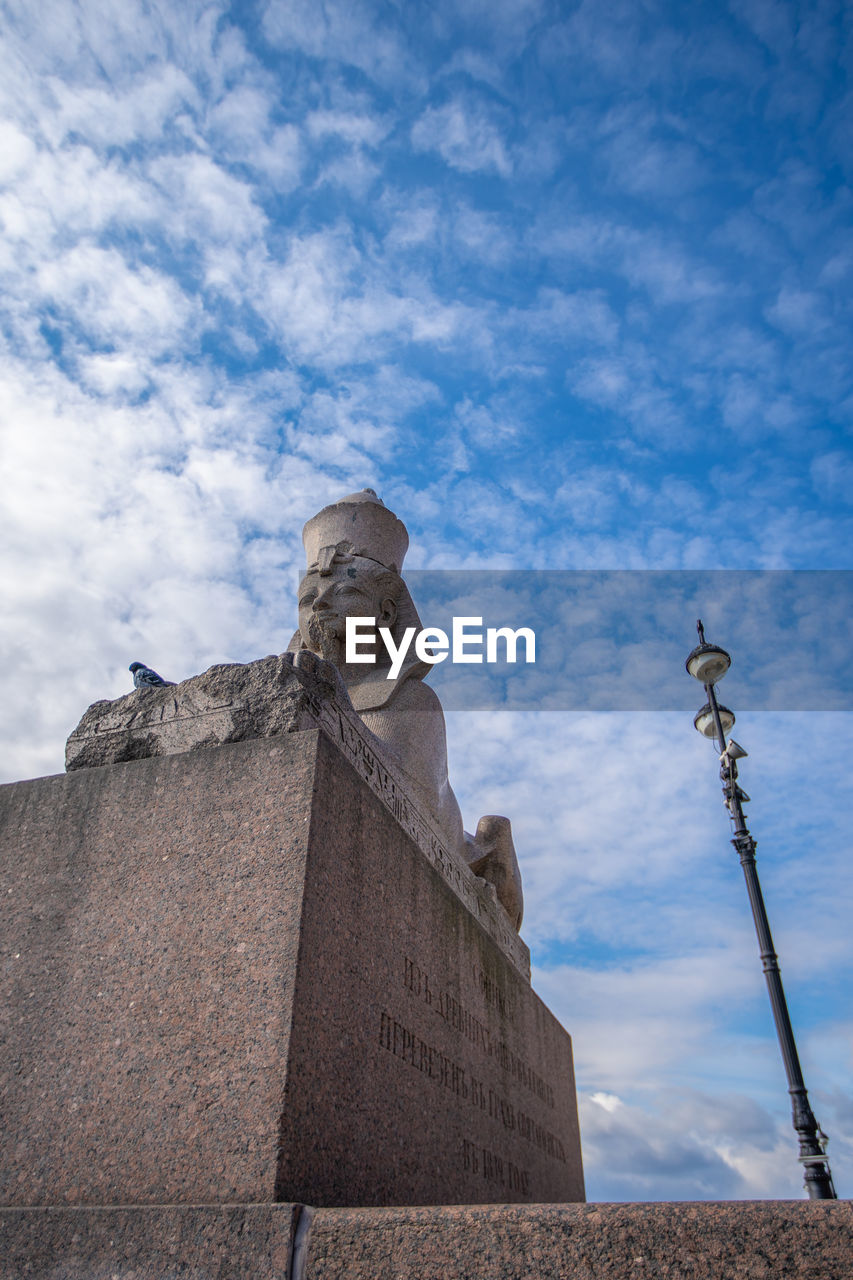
point(407, 693)
point(414, 695)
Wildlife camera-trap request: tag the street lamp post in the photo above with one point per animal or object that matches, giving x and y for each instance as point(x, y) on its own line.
point(708, 663)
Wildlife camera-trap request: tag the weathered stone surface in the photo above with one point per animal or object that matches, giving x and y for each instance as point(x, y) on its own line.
point(423, 1069)
point(764, 1240)
point(767, 1240)
point(230, 975)
point(228, 703)
point(148, 945)
point(198, 1242)
point(268, 698)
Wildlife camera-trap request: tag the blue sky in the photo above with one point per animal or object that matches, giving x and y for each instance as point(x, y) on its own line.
point(570, 286)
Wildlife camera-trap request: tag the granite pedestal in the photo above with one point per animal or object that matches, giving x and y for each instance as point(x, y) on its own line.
point(246, 988)
point(232, 976)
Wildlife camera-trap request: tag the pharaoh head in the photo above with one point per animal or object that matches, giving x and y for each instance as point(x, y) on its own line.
point(355, 550)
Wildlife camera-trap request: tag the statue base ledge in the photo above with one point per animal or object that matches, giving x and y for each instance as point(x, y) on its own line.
point(801, 1240)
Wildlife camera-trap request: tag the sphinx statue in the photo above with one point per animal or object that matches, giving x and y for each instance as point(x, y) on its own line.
point(355, 549)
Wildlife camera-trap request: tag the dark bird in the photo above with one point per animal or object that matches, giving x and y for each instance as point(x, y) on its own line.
point(145, 678)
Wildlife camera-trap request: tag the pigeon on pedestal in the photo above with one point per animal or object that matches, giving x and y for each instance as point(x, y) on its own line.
point(145, 678)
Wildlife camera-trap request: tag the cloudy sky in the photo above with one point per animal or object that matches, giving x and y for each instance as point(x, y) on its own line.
point(569, 284)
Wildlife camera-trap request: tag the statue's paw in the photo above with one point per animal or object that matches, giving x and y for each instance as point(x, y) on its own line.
point(491, 854)
point(311, 664)
point(322, 671)
point(306, 661)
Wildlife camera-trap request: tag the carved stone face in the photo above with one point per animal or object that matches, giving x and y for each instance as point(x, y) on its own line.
point(349, 591)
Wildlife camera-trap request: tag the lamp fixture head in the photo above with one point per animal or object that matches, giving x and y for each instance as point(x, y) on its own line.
point(707, 663)
point(705, 723)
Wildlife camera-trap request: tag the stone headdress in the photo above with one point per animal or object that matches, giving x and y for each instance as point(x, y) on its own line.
point(360, 530)
point(358, 525)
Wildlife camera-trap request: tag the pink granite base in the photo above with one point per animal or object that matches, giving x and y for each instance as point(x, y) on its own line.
point(231, 976)
point(765, 1240)
point(225, 1242)
point(149, 942)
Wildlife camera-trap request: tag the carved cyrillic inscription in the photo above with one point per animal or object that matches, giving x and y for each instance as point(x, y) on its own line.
point(447, 1007)
point(522, 1072)
point(437, 1066)
point(492, 994)
point(404, 1044)
point(494, 1168)
point(516, 1121)
point(424, 1057)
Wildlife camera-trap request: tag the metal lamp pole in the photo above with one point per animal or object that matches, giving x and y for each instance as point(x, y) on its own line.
point(708, 663)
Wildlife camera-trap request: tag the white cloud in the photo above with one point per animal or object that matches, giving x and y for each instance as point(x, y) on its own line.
point(629, 382)
point(417, 224)
point(832, 475)
point(584, 316)
point(110, 375)
point(798, 311)
point(772, 23)
point(646, 156)
point(608, 1101)
point(73, 192)
point(95, 38)
point(482, 236)
point(665, 268)
point(106, 116)
point(504, 23)
point(345, 30)
point(16, 151)
point(115, 304)
point(331, 305)
point(467, 137)
point(128, 534)
point(691, 1148)
point(488, 426)
point(207, 204)
point(361, 130)
point(355, 172)
point(242, 131)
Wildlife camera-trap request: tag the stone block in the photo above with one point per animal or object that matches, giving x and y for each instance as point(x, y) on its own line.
point(268, 698)
point(153, 1242)
point(232, 975)
point(228, 703)
point(764, 1240)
